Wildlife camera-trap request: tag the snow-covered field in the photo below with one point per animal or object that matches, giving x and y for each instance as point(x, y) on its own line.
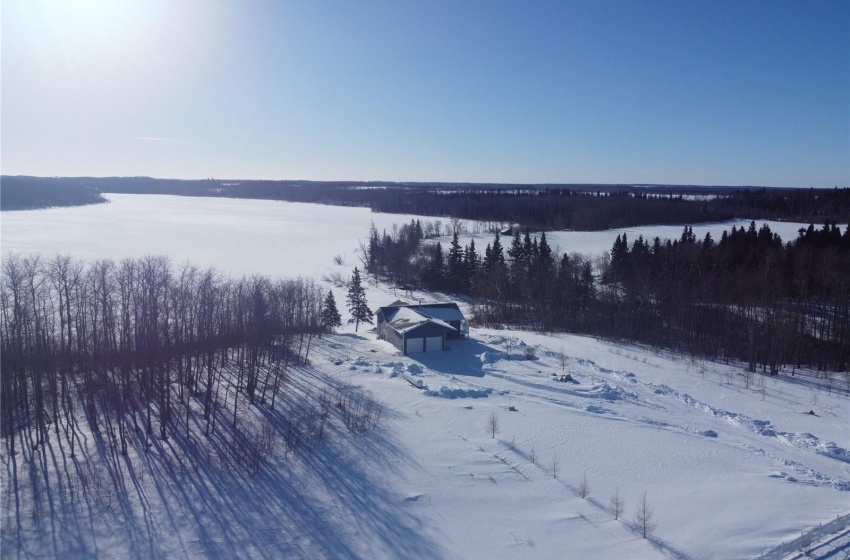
point(729, 471)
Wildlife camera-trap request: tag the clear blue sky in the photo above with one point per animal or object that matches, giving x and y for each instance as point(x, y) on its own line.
point(642, 91)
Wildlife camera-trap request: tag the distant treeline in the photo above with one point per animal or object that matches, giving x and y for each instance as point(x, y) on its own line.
point(24, 193)
point(746, 296)
point(539, 207)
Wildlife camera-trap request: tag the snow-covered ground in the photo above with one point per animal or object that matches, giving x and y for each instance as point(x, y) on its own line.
point(258, 236)
point(729, 471)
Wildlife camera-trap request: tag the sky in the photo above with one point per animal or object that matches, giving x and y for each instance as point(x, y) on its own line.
point(642, 91)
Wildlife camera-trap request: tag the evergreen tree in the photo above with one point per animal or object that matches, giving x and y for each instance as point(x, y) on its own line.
point(470, 264)
point(544, 250)
point(330, 314)
point(619, 257)
point(434, 274)
point(527, 249)
point(454, 272)
point(373, 256)
point(356, 299)
point(488, 257)
point(498, 258)
point(516, 255)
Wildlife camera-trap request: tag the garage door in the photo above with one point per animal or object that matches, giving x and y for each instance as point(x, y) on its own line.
point(415, 345)
point(434, 344)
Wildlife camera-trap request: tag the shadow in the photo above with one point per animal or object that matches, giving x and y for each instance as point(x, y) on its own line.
point(834, 546)
point(834, 382)
point(462, 357)
point(191, 495)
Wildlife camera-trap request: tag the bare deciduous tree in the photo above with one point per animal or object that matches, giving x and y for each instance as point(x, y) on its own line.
point(493, 424)
point(616, 504)
point(584, 487)
point(644, 519)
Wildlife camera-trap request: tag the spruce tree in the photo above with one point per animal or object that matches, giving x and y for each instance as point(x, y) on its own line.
point(498, 258)
point(516, 254)
point(356, 299)
point(435, 272)
point(454, 266)
point(330, 314)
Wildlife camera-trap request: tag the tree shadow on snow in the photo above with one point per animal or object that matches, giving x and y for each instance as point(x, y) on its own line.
point(190, 497)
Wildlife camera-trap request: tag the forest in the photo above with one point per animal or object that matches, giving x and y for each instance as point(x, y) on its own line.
point(746, 297)
point(538, 207)
point(27, 193)
point(142, 349)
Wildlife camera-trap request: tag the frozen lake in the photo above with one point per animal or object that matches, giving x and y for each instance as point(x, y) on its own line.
point(254, 236)
point(234, 235)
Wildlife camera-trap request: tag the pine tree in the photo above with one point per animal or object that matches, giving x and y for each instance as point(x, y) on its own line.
point(498, 258)
point(545, 252)
point(435, 272)
point(516, 255)
point(330, 314)
point(454, 266)
point(470, 264)
point(373, 256)
point(356, 299)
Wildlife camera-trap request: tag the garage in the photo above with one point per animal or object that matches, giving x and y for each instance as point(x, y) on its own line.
point(434, 344)
point(414, 329)
point(415, 345)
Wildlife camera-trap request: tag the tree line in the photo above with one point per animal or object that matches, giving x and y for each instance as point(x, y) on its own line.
point(538, 207)
point(747, 296)
point(24, 193)
point(141, 344)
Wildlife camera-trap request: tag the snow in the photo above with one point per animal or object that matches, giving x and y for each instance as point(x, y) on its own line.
point(405, 319)
point(725, 470)
point(597, 242)
point(730, 471)
point(442, 313)
point(284, 239)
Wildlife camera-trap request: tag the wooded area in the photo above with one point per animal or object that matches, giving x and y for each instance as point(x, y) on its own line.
point(746, 297)
point(141, 345)
point(26, 193)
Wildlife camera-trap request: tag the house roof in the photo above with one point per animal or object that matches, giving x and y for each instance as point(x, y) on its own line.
point(442, 311)
point(403, 319)
point(445, 312)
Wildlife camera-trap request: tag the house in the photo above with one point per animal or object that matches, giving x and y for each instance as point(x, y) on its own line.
point(416, 328)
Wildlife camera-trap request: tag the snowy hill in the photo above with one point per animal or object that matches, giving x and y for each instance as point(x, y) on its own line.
point(728, 471)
